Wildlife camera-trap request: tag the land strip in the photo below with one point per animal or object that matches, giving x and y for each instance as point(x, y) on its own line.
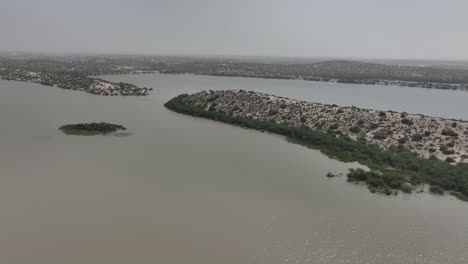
point(403, 150)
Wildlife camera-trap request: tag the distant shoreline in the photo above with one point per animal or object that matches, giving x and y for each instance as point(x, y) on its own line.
point(73, 73)
point(399, 83)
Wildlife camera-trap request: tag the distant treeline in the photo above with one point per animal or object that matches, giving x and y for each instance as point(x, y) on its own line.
point(343, 71)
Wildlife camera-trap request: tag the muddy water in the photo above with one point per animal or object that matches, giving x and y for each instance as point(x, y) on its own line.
point(187, 190)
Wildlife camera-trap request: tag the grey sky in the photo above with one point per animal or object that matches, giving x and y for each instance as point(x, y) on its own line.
point(338, 28)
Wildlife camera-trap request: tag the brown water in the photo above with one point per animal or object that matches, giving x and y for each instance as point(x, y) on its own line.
point(187, 190)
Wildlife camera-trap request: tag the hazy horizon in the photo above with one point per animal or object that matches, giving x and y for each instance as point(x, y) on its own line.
point(363, 29)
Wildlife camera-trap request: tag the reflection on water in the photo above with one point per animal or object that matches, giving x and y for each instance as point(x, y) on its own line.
point(185, 190)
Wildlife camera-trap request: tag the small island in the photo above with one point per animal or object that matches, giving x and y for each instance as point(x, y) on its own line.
point(91, 129)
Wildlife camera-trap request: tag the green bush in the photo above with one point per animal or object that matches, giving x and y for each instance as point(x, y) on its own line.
point(354, 129)
point(380, 135)
point(406, 121)
point(436, 189)
point(449, 132)
point(417, 137)
point(450, 160)
point(272, 112)
point(444, 149)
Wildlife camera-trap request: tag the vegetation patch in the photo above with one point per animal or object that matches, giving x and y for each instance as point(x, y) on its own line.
point(354, 129)
point(449, 132)
point(407, 121)
point(380, 135)
point(417, 137)
point(436, 189)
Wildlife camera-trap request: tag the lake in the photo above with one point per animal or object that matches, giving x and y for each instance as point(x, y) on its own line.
point(184, 190)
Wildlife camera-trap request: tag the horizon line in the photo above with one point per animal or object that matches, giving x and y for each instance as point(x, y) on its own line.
point(201, 55)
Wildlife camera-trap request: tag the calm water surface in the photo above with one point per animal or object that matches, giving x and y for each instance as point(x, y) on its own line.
point(187, 190)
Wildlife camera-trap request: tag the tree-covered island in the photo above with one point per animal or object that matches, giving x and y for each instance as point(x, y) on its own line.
point(401, 150)
point(91, 129)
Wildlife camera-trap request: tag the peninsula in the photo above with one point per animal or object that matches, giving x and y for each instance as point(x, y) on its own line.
point(75, 82)
point(402, 150)
point(71, 75)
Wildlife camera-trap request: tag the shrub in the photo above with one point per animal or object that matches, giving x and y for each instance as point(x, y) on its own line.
point(380, 135)
point(373, 126)
point(406, 188)
point(212, 108)
point(402, 140)
point(449, 132)
point(416, 137)
point(406, 121)
point(444, 149)
point(436, 189)
point(212, 98)
point(354, 129)
point(272, 112)
point(450, 160)
point(460, 196)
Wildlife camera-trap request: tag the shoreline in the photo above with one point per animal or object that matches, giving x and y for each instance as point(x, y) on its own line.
point(381, 82)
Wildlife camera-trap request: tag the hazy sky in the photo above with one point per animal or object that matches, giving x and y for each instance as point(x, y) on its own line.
point(305, 28)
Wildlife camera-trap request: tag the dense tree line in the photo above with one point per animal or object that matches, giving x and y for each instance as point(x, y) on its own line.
point(354, 72)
